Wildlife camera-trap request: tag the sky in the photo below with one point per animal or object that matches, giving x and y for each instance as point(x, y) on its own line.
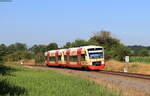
point(45, 21)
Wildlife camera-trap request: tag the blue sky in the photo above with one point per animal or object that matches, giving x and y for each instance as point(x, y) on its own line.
point(44, 21)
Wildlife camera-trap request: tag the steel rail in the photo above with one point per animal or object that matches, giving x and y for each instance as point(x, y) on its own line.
point(135, 75)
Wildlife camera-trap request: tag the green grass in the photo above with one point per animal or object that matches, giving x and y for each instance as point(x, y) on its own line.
point(20, 81)
point(140, 59)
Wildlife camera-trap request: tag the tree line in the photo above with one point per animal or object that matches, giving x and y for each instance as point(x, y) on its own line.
point(114, 49)
point(138, 50)
point(19, 51)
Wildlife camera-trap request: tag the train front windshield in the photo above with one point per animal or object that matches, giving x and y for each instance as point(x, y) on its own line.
point(96, 55)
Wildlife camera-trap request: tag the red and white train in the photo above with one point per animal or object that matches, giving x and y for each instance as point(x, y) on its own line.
point(90, 57)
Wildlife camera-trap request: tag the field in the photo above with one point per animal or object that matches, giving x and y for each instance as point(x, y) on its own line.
point(20, 81)
point(133, 67)
point(140, 59)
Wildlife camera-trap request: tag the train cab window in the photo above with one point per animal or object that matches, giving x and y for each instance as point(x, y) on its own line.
point(73, 58)
point(96, 55)
point(52, 58)
point(82, 57)
point(59, 58)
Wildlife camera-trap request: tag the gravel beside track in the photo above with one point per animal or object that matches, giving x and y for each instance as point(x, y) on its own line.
point(128, 86)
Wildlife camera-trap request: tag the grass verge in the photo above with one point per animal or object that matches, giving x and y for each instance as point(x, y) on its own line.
point(20, 81)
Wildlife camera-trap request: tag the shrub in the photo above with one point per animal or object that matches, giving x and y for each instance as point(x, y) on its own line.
point(39, 59)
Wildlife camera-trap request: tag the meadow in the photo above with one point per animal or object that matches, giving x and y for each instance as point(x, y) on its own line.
point(16, 80)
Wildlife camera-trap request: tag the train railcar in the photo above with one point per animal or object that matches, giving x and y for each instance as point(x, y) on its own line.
point(90, 57)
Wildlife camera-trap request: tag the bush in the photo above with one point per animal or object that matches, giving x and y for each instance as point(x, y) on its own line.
point(19, 55)
point(39, 59)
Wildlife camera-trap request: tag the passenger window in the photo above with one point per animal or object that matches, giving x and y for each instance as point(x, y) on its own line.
point(65, 57)
point(82, 57)
point(59, 58)
point(73, 58)
point(52, 58)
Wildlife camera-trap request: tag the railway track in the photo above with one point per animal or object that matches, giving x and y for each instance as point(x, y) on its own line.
point(134, 75)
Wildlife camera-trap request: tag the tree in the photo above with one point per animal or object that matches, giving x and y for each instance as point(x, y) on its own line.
point(79, 42)
point(138, 50)
point(142, 52)
point(68, 45)
point(113, 47)
point(104, 38)
point(39, 58)
point(3, 52)
point(38, 49)
point(17, 47)
point(52, 46)
point(76, 43)
point(19, 55)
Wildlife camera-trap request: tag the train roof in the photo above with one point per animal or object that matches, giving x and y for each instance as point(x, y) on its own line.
point(74, 48)
point(91, 46)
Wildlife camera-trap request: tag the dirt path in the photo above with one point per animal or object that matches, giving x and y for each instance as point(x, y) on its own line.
point(126, 85)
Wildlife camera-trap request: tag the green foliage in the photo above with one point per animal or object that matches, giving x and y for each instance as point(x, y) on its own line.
point(68, 45)
point(141, 52)
point(76, 43)
point(140, 59)
point(138, 47)
point(35, 82)
point(38, 49)
point(113, 47)
point(17, 47)
point(19, 55)
point(79, 43)
point(14, 52)
point(3, 52)
point(52, 46)
point(138, 50)
point(39, 58)
point(104, 38)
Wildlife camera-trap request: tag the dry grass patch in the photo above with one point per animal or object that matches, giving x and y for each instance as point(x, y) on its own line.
point(28, 62)
point(134, 67)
